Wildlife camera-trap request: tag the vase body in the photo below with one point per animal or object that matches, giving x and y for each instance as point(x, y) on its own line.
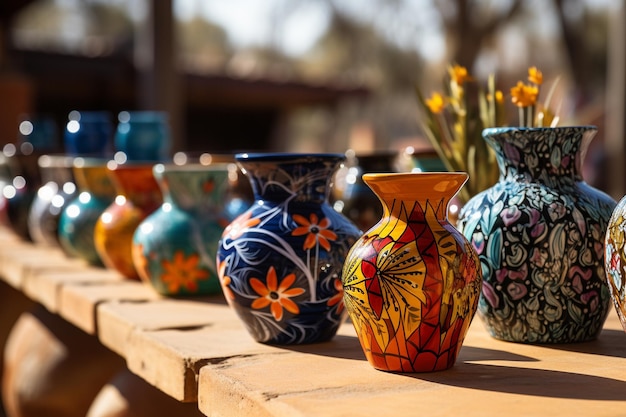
point(615, 259)
point(539, 233)
point(88, 133)
point(174, 249)
point(143, 135)
point(20, 192)
point(357, 201)
point(138, 196)
point(78, 219)
point(280, 262)
point(57, 191)
point(412, 282)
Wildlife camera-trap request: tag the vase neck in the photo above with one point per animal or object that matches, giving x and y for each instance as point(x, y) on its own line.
point(194, 188)
point(301, 180)
point(408, 195)
point(551, 156)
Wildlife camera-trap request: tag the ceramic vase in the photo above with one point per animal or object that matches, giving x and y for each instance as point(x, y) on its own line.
point(412, 282)
point(138, 196)
point(78, 220)
point(88, 133)
point(174, 248)
point(357, 201)
point(539, 233)
point(615, 259)
point(143, 135)
point(280, 262)
point(57, 191)
point(19, 193)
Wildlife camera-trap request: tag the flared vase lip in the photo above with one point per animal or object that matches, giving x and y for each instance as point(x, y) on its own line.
point(52, 160)
point(489, 131)
point(287, 156)
point(159, 168)
point(401, 184)
point(142, 116)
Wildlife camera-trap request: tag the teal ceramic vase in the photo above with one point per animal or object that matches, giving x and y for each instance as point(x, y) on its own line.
point(143, 135)
point(539, 233)
point(77, 222)
point(174, 248)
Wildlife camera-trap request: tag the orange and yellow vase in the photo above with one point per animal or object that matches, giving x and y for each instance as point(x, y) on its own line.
point(412, 282)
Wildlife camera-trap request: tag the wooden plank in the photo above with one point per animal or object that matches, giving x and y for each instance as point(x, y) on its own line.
point(117, 320)
point(78, 302)
point(490, 378)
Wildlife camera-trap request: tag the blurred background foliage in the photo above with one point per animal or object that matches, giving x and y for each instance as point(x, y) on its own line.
point(388, 46)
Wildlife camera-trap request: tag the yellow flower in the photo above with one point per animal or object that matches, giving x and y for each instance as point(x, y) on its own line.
point(499, 97)
point(523, 95)
point(183, 272)
point(436, 103)
point(458, 74)
point(535, 76)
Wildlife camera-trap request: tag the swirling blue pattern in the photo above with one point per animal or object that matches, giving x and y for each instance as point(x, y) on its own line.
point(280, 262)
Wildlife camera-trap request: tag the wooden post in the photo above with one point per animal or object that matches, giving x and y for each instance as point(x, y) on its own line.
point(616, 100)
point(158, 79)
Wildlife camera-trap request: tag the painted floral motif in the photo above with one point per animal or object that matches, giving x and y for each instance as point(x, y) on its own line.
point(240, 225)
point(538, 232)
point(337, 299)
point(291, 233)
point(615, 259)
point(274, 295)
point(316, 231)
point(174, 248)
point(411, 285)
point(183, 272)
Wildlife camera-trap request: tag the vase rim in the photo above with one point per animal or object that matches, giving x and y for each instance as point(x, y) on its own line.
point(287, 156)
point(416, 185)
point(400, 175)
point(193, 166)
point(494, 130)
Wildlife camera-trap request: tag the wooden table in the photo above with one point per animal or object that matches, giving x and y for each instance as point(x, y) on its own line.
point(196, 350)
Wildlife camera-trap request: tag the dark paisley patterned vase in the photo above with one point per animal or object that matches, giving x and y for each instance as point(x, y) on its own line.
point(280, 262)
point(539, 233)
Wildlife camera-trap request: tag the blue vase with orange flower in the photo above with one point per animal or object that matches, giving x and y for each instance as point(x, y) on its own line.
point(280, 262)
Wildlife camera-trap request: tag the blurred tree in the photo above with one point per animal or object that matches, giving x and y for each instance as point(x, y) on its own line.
point(203, 44)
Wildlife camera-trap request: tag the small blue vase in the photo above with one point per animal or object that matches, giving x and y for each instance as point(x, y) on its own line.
point(280, 261)
point(143, 135)
point(174, 248)
point(88, 133)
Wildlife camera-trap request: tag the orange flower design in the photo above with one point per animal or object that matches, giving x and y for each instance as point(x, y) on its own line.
point(275, 296)
point(183, 272)
point(316, 231)
point(337, 298)
point(225, 280)
point(240, 225)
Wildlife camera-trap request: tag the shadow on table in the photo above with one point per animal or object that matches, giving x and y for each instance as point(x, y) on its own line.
point(525, 381)
point(348, 347)
point(609, 343)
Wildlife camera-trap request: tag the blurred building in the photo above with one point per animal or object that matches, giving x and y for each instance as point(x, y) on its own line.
point(215, 112)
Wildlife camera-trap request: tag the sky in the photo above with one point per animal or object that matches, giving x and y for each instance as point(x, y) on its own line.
point(250, 22)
